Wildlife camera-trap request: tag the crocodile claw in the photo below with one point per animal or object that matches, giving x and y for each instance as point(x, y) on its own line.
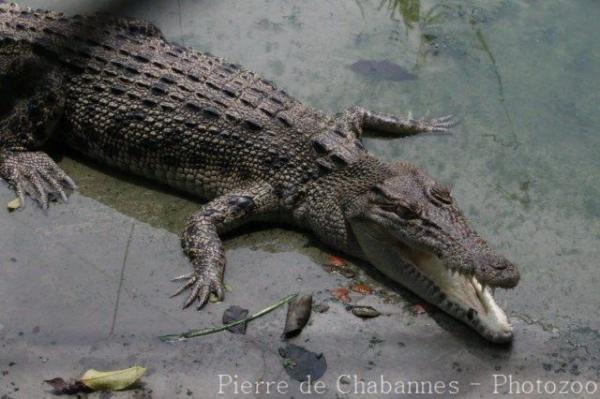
point(439, 125)
point(35, 174)
point(202, 284)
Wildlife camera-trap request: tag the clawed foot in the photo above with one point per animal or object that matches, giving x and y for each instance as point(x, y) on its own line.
point(438, 125)
point(35, 174)
point(202, 284)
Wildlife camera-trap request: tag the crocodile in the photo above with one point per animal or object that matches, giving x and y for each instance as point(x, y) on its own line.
point(115, 90)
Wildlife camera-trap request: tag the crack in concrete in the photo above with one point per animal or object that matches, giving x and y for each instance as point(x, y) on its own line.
point(120, 288)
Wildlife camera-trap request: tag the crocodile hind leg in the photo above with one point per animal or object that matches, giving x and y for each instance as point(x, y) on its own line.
point(202, 245)
point(359, 119)
point(30, 107)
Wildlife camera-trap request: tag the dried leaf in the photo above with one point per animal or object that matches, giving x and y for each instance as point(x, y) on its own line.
point(362, 289)
point(321, 308)
point(419, 309)
point(300, 363)
point(212, 298)
point(297, 316)
point(62, 387)
point(347, 272)
point(232, 314)
point(14, 204)
point(341, 294)
point(365, 311)
point(336, 261)
point(112, 380)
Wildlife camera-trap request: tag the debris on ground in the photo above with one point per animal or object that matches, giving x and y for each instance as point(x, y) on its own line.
point(339, 265)
point(297, 316)
point(341, 294)
point(336, 261)
point(212, 330)
point(362, 288)
point(320, 308)
point(14, 205)
point(300, 364)
point(213, 298)
point(347, 272)
point(364, 311)
point(235, 313)
point(419, 309)
point(71, 387)
point(94, 380)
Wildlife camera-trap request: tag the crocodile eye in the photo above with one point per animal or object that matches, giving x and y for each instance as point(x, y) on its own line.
point(441, 194)
point(408, 212)
point(378, 190)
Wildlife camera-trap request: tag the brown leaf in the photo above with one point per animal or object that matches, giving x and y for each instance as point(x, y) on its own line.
point(341, 294)
point(347, 272)
point(62, 387)
point(365, 311)
point(302, 364)
point(336, 261)
point(235, 313)
point(297, 316)
point(362, 289)
point(418, 309)
point(321, 308)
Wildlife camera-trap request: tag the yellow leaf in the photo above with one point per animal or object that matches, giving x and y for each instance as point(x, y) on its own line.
point(112, 380)
point(14, 204)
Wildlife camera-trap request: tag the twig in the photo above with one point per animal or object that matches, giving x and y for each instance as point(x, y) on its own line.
point(212, 330)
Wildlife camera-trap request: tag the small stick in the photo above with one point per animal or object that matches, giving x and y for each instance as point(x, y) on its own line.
point(212, 330)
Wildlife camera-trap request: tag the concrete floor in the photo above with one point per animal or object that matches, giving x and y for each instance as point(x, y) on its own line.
point(86, 284)
point(86, 287)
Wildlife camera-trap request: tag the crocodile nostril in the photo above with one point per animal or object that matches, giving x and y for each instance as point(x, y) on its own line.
point(493, 261)
point(500, 264)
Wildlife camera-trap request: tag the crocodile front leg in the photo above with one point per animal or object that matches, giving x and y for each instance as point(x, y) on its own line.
point(202, 245)
point(31, 104)
point(358, 119)
point(35, 174)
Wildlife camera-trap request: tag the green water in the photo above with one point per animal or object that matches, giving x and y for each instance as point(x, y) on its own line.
point(523, 76)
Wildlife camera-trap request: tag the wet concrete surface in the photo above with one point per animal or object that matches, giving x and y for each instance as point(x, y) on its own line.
point(86, 284)
point(86, 287)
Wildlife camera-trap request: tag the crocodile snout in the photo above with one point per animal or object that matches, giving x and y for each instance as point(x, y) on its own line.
point(495, 270)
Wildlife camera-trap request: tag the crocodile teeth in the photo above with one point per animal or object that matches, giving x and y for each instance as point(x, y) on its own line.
point(479, 290)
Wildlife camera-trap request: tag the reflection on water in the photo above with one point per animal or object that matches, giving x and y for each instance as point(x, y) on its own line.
point(421, 22)
point(408, 10)
point(412, 18)
point(382, 70)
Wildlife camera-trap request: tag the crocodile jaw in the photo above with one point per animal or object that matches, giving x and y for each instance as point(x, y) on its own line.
point(460, 295)
point(464, 295)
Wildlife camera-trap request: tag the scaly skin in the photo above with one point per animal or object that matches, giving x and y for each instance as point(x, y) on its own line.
point(124, 96)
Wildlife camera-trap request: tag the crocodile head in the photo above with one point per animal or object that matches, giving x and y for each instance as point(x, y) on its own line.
point(410, 228)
